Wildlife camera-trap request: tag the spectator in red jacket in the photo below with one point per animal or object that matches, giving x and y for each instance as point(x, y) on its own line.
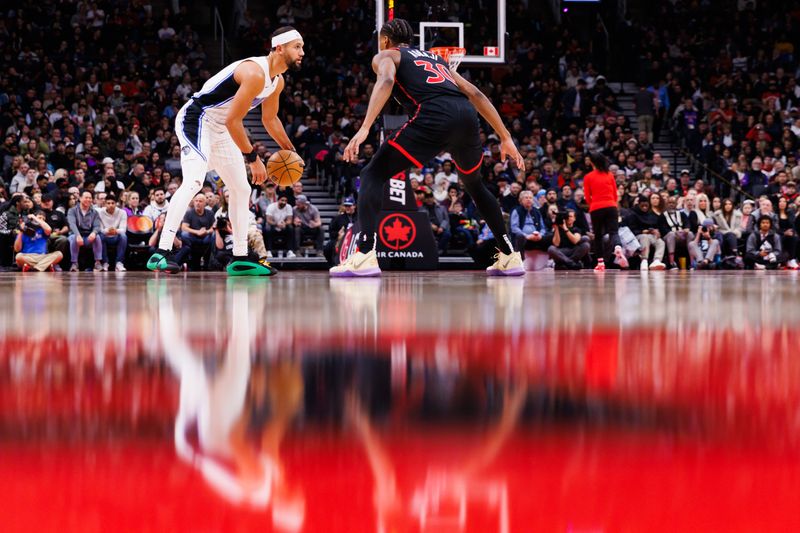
point(601, 194)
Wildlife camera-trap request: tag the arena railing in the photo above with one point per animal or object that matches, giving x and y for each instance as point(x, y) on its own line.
point(710, 172)
point(219, 35)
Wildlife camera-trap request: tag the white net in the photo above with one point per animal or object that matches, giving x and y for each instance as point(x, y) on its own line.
point(452, 54)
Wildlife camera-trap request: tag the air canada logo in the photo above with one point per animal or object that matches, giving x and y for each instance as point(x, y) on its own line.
point(397, 231)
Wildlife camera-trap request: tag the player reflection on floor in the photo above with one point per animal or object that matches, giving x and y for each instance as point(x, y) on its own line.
point(441, 486)
point(233, 414)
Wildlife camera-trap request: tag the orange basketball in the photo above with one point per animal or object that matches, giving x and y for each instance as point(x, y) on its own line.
point(285, 167)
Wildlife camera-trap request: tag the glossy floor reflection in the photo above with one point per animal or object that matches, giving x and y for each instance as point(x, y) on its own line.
point(438, 402)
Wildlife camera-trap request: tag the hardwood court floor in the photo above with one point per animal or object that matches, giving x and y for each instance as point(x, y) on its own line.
point(417, 402)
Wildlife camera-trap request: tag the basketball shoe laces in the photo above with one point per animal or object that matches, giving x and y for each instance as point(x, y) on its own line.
point(496, 257)
point(350, 261)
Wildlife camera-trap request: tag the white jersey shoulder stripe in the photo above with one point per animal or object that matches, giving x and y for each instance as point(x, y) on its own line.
point(217, 92)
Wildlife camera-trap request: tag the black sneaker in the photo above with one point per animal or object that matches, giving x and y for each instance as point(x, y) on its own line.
point(163, 261)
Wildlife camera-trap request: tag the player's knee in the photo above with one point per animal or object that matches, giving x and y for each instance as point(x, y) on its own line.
point(193, 185)
point(472, 184)
point(472, 179)
point(239, 188)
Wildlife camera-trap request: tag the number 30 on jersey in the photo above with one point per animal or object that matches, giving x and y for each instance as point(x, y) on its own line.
point(439, 71)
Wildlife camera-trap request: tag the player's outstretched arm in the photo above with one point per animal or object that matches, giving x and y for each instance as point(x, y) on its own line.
point(269, 117)
point(384, 66)
point(487, 111)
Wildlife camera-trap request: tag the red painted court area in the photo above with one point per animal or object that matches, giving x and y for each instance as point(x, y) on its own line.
point(436, 403)
point(601, 480)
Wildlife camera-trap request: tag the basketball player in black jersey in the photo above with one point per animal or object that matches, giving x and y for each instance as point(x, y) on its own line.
point(442, 106)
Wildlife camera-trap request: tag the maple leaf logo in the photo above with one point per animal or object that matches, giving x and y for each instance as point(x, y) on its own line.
point(396, 233)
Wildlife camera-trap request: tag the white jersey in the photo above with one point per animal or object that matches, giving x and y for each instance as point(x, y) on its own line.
point(215, 96)
point(205, 112)
point(212, 403)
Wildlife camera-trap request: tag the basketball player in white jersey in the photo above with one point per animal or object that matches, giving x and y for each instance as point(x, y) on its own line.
point(212, 136)
point(234, 414)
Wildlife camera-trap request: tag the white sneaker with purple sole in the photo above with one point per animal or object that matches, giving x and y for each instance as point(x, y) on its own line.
point(358, 265)
point(506, 265)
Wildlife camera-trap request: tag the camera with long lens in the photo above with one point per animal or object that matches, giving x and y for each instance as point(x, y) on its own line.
point(222, 225)
point(32, 224)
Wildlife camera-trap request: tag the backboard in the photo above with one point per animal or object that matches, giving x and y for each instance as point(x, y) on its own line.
point(480, 27)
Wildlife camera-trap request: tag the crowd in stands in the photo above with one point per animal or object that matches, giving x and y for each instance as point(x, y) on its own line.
point(729, 94)
point(88, 96)
point(89, 92)
point(558, 111)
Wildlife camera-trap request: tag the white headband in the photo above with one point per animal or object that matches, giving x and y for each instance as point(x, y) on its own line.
point(284, 38)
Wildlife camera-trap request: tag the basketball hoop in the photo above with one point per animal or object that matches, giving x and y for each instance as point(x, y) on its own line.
point(452, 54)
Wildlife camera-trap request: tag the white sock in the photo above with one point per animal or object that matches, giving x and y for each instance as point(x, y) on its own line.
point(238, 213)
point(178, 205)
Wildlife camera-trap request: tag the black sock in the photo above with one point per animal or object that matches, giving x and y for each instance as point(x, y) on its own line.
point(366, 242)
point(504, 244)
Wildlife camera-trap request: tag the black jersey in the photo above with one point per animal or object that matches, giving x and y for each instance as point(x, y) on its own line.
point(421, 77)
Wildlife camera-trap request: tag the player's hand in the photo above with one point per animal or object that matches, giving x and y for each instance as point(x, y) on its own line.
point(351, 152)
point(509, 149)
point(258, 171)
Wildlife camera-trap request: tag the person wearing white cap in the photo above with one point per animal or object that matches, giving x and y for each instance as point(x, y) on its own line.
point(117, 98)
point(212, 137)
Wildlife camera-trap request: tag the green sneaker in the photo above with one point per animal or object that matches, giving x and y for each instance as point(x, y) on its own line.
point(163, 261)
point(244, 267)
